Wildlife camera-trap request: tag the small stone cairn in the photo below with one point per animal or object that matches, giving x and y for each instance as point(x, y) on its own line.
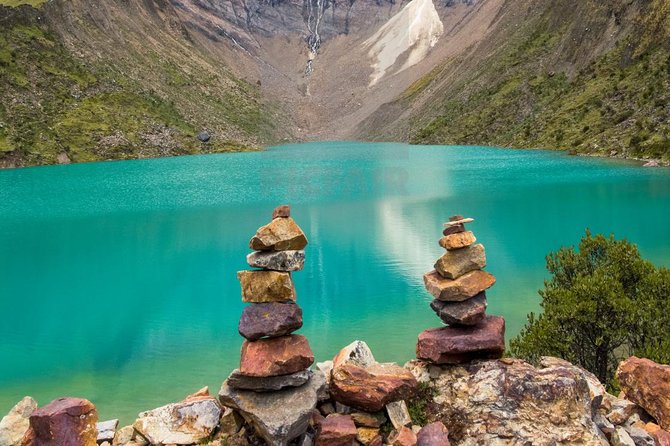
point(274, 388)
point(459, 286)
point(272, 357)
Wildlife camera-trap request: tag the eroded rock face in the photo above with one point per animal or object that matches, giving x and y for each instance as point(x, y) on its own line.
point(510, 402)
point(647, 384)
point(467, 312)
point(463, 288)
point(336, 430)
point(186, 422)
point(371, 388)
point(455, 263)
point(14, 425)
point(65, 421)
point(278, 417)
point(270, 383)
point(276, 356)
point(277, 260)
point(266, 286)
point(454, 345)
point(281, 234)
point(269, 319)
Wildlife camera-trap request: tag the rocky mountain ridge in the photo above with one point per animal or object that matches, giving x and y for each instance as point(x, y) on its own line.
point(144, 78)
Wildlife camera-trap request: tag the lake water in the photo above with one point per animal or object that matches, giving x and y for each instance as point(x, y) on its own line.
point(118, 280)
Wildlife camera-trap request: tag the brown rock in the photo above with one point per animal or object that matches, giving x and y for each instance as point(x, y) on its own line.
point(65, 422)
point(366, 435)
point(276, 356)
point(377, 441)
point(403, 437)
point(647, 384)
point(336, 430)
point(266, 286)
point(455, 263)
point(367, 419)
point(433, 434)
point(454, 345)
point(372, 387)
point(661, 437)
point(453, 229)
point(281, 234)
point(283, 211)
point(454, 218)
point(457, 290)
point(468, 312)
point(458, 240)
point(271, 319)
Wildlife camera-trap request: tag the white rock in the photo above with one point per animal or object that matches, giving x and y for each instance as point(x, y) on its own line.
point(15, 424)
point(621, 438)
point(107, 430)
point(186, 422)
point(398, 414)
point(357, 353)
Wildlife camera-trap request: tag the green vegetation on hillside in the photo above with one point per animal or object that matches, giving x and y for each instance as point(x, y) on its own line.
point(619, 103)
point(602, 304)
point(58, 107)
point(14, 3)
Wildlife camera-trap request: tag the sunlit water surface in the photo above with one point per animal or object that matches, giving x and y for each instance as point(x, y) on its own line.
point(117, 280)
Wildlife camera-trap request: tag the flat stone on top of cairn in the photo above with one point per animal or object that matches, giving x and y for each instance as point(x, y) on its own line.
point(459, 286)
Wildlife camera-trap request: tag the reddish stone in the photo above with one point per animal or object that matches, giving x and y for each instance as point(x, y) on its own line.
point(647, 384)
point(457, 290)
point(276, 356)
point(336, 430)
point(404, 437)
point(377, 441)
point(283, 211)
point(270, 319)
point(281, 234)
point(433, 434)
point(64, 422)
point(456, 218)
point(455, 345)
point(468, 312)
point(661, 437)
point(373, 387)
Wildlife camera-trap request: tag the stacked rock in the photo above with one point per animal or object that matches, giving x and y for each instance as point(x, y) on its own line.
point(459, 286)
point(272, 357)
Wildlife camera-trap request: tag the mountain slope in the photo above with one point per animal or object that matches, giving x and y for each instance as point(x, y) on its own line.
point(589, 77)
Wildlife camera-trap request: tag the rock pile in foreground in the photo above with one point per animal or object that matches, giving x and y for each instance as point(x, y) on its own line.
point(274, 388)
point(458, 285)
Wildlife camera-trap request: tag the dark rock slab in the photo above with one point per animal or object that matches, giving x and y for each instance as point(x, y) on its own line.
point(276, 356)
point(65, 421)
point(277, 260)
point(278, 417)
point(455, 345)
point(268, 384)
point(269, 319)
point(467, 312)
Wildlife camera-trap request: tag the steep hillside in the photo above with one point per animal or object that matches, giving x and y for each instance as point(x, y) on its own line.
point(589, 77)
point(84, 81)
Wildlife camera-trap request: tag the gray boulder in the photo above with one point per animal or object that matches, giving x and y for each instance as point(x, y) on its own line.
point(267, 384)
point(278, 417)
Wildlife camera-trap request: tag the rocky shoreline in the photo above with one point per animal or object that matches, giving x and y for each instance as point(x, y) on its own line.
point(460, 390)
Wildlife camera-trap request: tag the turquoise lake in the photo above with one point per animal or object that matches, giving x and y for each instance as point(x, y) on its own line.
point(118, 280)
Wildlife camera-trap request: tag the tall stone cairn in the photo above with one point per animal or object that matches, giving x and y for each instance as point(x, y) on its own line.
point(272, 357)
point(458, 284)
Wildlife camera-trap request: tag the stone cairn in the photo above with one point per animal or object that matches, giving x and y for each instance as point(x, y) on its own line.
point(459, 286)
point(274, 374)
